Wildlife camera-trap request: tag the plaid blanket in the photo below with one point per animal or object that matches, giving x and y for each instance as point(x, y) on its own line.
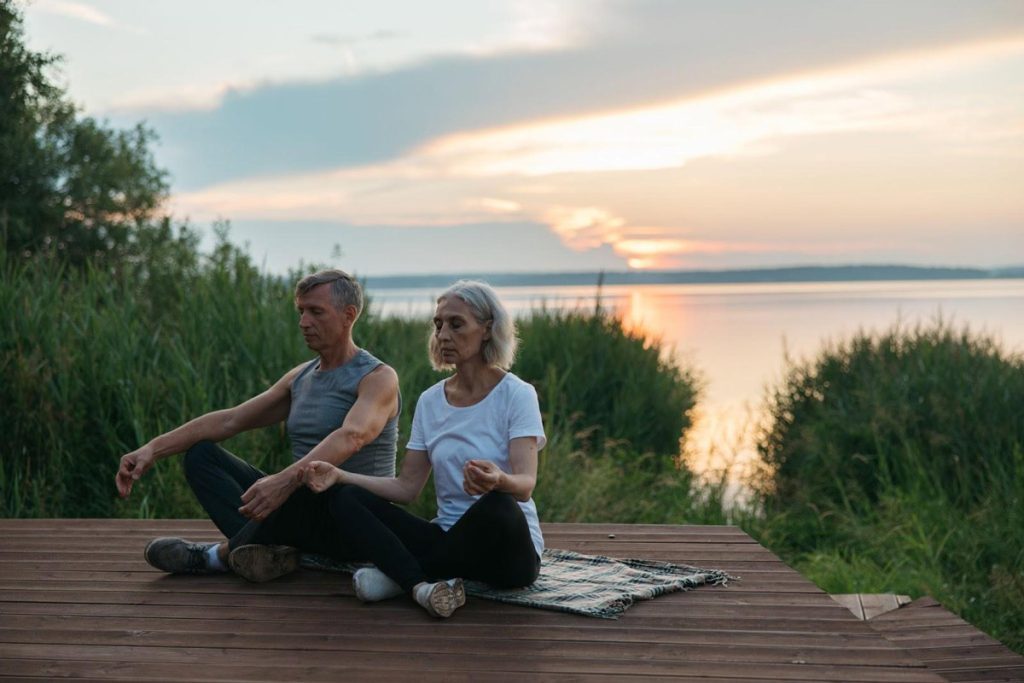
point(591, 585)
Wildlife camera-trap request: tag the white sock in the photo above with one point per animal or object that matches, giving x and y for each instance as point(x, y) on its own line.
point(421, 594)
point(372, 584)
point(213, 558)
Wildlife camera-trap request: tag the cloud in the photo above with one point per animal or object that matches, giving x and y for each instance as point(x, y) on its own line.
point(522, 246)
point(583, 228)
point(540, 172)
point(341, 40)
point(493, 205)
point(631, 55)
point(542, 25)
point(446, 177)
point(82, 12)
point(591, 227)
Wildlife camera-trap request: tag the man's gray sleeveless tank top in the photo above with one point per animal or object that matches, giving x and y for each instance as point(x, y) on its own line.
point(320, 402)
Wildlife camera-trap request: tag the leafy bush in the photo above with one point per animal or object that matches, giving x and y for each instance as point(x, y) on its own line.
point(929, 408)
point(895, 463)
point(598, 378)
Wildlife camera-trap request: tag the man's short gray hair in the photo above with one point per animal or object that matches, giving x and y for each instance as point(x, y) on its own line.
point(345, 289)
point(498, 351)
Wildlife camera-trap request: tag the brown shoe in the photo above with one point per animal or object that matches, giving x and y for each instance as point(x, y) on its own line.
point(260, 563)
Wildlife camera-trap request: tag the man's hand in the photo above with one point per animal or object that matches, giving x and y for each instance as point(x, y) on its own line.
point(320, 476)
point(480, 476)
point(268, 494)
point(133, 465)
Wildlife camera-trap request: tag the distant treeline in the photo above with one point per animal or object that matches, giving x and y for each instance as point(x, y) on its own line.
point(853, 273)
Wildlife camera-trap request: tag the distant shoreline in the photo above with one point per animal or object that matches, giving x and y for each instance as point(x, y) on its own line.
point(660, 277)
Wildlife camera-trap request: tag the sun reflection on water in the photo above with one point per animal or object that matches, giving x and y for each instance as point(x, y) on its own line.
point(736, 337)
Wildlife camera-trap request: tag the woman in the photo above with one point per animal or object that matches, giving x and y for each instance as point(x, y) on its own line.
point(479, 430)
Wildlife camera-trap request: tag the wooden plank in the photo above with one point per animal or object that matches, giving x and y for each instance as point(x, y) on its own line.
point(947, 644)
point(106, 671)
point(493, 662)
point(1013, 674)
point(876, 604)
point(597, 631)
point(426, 642)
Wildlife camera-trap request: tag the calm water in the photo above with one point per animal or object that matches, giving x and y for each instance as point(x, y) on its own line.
point(738, 335)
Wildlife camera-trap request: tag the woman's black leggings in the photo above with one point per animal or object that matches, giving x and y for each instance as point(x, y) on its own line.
point(490, 543)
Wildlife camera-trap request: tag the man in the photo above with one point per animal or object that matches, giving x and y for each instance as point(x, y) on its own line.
point(342, 408)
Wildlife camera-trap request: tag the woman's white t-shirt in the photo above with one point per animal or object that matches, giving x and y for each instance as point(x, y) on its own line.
point(452, 435)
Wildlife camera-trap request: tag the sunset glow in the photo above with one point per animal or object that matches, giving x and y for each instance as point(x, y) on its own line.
point(617, 129)
point(468, 178)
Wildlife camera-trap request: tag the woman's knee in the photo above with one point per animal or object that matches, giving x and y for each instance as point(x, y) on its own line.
point(499, 510)
point(519, 571)
point(498, 502)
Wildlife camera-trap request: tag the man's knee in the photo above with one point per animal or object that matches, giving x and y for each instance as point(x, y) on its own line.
point(199, 457)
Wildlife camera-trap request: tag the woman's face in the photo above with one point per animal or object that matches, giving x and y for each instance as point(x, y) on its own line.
point(459, 336)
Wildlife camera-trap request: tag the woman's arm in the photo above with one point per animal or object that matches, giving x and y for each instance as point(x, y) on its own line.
point(320, 476)
point(481, 476)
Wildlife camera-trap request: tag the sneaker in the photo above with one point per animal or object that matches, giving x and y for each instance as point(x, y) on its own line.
point(440, 599)
point(260, 563)
point(458, 591)
point(372, 585)
point(178, 556)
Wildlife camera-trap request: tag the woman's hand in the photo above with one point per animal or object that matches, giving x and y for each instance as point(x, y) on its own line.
point(320, 476)
point(481, 476)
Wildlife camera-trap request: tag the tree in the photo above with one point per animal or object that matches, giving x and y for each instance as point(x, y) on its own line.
point(69, 185)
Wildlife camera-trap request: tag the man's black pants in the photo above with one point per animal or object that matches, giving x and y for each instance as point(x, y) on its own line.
point(219, 479)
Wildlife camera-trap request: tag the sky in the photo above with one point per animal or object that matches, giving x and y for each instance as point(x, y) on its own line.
point(478, 136)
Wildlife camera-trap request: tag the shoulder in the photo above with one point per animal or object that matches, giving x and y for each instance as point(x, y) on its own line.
point(382, 379)
point(432, 394)
point(516, 387)
point(298, 371)
point(432, 400)
point(517, 395)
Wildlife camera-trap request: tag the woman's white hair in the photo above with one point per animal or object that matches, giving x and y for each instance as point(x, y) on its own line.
point(498, 351)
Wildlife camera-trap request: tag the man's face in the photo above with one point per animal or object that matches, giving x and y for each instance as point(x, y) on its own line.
point(321, 323)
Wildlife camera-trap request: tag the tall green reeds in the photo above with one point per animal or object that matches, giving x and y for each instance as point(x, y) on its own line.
point(93, 364)
point(895, 463)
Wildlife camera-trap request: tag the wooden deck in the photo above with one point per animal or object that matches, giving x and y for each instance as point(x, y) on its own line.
point(949, 645)
point(78, 600)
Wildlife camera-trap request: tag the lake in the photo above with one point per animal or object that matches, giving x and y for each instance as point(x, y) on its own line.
point(738, 335)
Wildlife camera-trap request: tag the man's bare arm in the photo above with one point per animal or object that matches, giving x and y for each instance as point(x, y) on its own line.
point(376, 403)
point(267, 408)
